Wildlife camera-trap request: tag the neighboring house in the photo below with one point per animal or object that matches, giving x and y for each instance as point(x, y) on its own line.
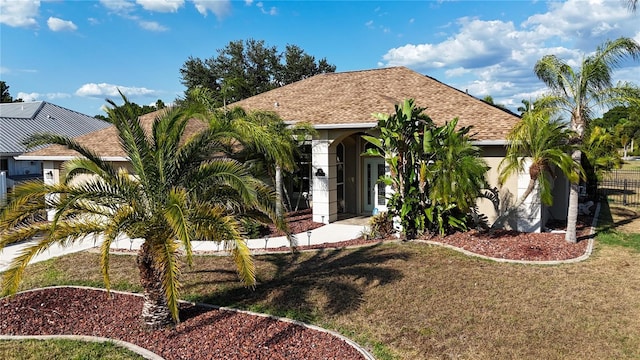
point(340, 106)
point(21, 119)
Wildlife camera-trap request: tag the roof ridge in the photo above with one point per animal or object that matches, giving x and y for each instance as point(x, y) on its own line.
point(62, 107)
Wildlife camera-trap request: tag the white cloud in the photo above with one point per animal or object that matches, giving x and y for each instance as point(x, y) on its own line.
point(456, 72)
point(28, 97)
point(4, 70)
point(58, 95)
point(120, 7)
point(272, 11)
point(19, 13)
point(56, 24)
point(479, 43)
point(104, 89)
point(152, 26)
point(161, 5)
point(494, 57)
point(248, 2)
point(220, 8)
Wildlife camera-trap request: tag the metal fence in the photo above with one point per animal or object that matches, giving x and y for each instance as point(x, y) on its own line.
point(621, 187)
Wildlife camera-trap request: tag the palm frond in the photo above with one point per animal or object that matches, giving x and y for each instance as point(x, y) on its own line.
point(166, 256)
point(177, 216)
point(49, 139)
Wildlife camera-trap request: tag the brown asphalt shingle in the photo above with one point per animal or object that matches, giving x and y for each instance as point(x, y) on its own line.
point(352, 97)
point(106, 142)
point(340, 99)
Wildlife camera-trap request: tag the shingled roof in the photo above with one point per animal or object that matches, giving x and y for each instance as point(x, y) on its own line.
point(106, 143)
point(352, 97)
point(22, 119)
point(339, 100)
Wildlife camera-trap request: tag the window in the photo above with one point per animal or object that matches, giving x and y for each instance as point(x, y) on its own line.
point(340, 176)
point(4, 164)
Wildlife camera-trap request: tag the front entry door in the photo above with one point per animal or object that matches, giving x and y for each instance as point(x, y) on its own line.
point(375, 191)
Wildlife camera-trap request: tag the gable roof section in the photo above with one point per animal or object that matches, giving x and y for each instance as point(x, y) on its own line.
point(341, 99)
point(20, 120)
point(106, 143)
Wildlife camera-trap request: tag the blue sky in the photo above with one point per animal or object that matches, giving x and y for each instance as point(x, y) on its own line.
point(77, 53)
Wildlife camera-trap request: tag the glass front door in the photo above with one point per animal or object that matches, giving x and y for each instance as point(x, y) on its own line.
point(375, 191)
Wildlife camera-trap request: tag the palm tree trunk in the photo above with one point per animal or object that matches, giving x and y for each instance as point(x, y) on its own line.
point(572, 214)
point(155, 311)
point(278, 190)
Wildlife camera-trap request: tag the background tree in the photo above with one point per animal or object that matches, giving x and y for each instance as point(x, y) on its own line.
point(526, 106)
point(489, 100)
point(5, 96)
point(180, 193)
point(577, 92)
point(135, 108)
point(298, 66)
point(244, 69)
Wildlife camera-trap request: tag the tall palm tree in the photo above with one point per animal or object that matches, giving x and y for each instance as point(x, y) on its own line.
point(577, 92)
point(182, 188)
point(540, 144)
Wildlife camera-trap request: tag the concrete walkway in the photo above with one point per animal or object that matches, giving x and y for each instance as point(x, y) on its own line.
point(331, 233)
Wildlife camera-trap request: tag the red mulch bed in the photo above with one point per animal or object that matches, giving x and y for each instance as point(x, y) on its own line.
point(204, 333)
point(298, 221)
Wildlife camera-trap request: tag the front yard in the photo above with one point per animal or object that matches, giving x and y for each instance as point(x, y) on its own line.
point(415, 301)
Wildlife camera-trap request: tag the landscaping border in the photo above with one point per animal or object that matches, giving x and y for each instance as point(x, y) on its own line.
point(583, 257)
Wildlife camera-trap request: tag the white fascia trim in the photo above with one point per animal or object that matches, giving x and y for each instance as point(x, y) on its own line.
point(490, 142)
point(67, 157)
point(345, 126)
point(367, 125)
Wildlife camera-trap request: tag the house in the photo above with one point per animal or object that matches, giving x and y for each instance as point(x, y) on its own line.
point(340, 106)
point(20, 120)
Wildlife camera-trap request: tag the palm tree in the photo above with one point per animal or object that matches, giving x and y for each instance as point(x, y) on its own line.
point(540, 144)
point(578, 91)
point(182, 188)
point(456, 171)
point(455, 176)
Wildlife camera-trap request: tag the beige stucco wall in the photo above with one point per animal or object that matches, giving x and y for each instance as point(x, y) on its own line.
point(492, 155)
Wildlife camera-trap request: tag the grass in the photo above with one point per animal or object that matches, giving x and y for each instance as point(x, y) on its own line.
point(609, 232)
point(413, 301)
point(63, 349)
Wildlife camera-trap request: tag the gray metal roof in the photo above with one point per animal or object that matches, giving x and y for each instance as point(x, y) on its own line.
point(22, 119)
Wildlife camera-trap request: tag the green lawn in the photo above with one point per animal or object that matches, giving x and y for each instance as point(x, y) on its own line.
point(414, 301)
point(63, 349)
